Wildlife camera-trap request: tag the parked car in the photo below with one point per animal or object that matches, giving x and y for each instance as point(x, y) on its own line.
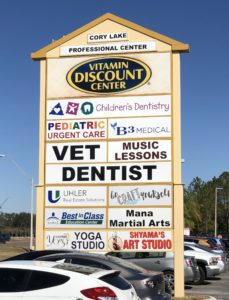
point(148, 285)
point(4, 237)
point(226, 246)
point(161, 261)
point(29, 280)
point(206, 262)
point(198, 240)
point(216, 243)
point(220, 257)
point(31, 255)
point(204, 241)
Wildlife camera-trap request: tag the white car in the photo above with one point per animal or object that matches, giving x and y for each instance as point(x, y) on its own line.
point(38, 280)
point(199, 248)
point(206, 262)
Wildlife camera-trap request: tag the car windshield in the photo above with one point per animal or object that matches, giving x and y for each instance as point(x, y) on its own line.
point(126, 264)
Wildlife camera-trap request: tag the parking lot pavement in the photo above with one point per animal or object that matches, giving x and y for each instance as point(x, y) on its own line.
point(217, 287)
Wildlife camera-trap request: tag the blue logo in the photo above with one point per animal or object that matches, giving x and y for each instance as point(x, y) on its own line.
point(54, 199)
point(122, 130)
point(57, 110)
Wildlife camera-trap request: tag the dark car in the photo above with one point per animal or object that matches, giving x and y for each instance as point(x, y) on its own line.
point(226, 246)
point(4, 237)
point(209, 242)
point(216, 243)
point(148, 284)
point(31, 255)
point(163, 262)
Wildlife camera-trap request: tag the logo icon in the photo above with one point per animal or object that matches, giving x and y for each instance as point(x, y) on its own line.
point(53, 199)
point(57, 110)
point(108, 75)
point(87, 108)
point(115, 243)
point(72, 108)
point(61, 240)
point(114, 126)
point(122, 130)
point(53, 219)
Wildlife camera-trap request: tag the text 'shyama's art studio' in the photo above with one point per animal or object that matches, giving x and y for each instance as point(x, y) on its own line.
point(109, 156)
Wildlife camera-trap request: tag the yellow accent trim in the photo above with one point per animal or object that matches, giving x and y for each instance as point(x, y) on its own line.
point(175, 45)
point(178, 237)
point(41, 177)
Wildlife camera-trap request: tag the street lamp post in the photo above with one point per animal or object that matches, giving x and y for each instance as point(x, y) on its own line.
point(22, 171)
point(216, 204)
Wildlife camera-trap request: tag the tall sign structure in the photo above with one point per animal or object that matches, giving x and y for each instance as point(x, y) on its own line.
point(110, 153)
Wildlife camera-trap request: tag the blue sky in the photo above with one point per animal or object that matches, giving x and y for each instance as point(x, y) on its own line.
point(28, 25)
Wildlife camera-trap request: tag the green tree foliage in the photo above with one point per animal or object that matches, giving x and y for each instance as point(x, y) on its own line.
point(18, 224)
point(199, 205)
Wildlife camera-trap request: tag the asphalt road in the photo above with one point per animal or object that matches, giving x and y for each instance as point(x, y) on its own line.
point(217, 287)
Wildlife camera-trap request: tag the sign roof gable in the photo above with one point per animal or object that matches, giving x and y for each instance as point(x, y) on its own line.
point(176, 46)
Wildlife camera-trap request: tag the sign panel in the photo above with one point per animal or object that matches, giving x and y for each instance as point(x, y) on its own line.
point(97, 76)
point(108, 173)
point(140, 218)
point(75, 218)
point(108, 48)
point(76, 152)
point(76, 196)
point(140, 195)
point(109, 107)
point(148, 150)
point(76, 240)
point(146, 240)
point(76, 129)
point(139, 127)
point(104, 37)
point(107, 77)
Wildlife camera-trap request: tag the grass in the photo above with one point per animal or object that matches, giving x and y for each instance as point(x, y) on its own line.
point(13, 247)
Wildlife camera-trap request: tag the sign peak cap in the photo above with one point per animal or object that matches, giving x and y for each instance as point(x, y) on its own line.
point(176, 46)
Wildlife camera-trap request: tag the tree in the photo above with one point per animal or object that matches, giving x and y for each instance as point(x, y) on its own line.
point(199, 205)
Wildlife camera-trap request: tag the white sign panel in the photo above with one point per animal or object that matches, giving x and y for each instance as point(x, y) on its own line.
point(76, 129)
point(139, 127)
point(140, 195)
point(104, 37)
point(140, 218)
point(143, 240)
point(109, 107)
point(76, 152)
point(75, 240)
point(75, 217)
point(158, 83)
point(108, 173)
point(149, 150)
point(108, 48)
point(75, 196)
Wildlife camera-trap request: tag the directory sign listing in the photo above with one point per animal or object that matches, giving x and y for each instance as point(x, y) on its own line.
point(108, 171)
point(106, 241)
point(109, 107)
point(118, 195)
point(76, 196)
